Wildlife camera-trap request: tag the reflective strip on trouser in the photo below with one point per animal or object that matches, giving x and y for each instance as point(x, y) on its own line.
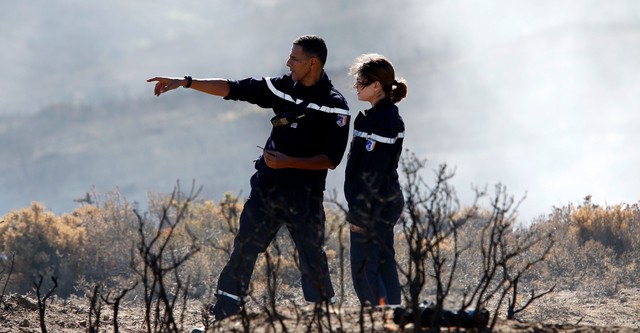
point(240, 300)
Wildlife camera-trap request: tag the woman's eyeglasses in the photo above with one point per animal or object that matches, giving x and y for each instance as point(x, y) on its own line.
point(361, 83)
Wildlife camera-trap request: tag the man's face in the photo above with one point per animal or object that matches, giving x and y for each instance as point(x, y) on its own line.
point(299, 63)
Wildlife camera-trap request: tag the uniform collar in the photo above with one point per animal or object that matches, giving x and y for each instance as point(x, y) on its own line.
point(322, 83)
point(383, 104)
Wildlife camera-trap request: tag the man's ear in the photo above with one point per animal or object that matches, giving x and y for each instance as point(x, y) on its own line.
point(315, 61)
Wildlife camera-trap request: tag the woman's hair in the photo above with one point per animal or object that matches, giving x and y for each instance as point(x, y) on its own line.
point(374, 67)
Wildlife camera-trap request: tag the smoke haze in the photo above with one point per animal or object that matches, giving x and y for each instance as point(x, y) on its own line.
point(540, 95)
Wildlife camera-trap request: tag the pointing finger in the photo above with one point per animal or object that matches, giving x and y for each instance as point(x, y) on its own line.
point(158, 88)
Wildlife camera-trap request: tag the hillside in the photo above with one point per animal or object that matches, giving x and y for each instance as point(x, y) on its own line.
point(142, 146)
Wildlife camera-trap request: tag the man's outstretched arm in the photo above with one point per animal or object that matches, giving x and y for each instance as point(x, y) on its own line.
point(217, 87)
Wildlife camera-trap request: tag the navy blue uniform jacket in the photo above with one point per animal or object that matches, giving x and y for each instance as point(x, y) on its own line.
point(371, 177)
point(318, 123)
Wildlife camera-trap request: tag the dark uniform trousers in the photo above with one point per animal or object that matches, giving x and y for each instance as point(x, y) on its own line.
point(373, 264)
point(301, 211)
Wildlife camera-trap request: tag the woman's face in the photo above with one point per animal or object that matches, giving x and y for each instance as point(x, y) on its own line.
point(364, 89)
point(368, 91)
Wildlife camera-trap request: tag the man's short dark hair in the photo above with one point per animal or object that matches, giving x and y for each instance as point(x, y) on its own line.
point(313, 46)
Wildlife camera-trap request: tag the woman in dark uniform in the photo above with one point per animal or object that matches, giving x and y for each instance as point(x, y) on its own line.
point(371, 184)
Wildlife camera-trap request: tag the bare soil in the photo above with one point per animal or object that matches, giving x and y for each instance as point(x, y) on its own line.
point(562, 311)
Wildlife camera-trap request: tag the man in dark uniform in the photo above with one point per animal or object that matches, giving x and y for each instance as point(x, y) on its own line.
point(309, 136)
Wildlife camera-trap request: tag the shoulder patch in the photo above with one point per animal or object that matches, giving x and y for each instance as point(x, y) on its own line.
point(370, 145)
point(342, 120)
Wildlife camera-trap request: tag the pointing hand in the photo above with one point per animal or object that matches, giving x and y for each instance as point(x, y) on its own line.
point(164, 84)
